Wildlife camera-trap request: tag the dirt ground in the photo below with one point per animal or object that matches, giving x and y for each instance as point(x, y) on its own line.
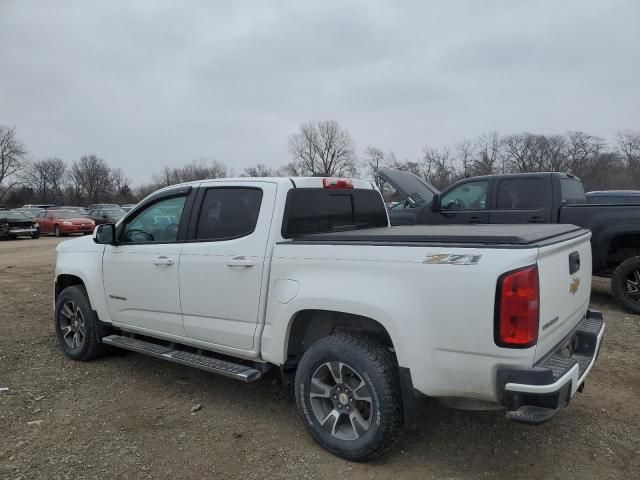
point(130, 416)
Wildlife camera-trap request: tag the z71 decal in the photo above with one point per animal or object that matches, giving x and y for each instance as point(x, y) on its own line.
point(452, 259)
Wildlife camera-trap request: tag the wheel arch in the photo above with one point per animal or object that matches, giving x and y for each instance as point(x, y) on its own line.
point(66, 280)
point(620, 244)
point(309, 325)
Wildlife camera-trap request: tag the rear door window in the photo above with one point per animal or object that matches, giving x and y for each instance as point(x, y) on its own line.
point(228, 212)
point(316, 210)
point(521, 193)
point(572, 191)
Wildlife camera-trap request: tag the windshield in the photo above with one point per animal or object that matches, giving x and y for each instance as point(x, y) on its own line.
point(13, 216)
point(114, 213)
point(65, 214)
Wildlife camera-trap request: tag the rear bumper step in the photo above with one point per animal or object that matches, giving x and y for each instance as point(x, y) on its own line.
point(172, 354)
point(534, 395)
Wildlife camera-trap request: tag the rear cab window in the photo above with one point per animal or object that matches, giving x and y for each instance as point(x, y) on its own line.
point(318, 210)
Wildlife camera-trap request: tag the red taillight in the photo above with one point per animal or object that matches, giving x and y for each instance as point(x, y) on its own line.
point(337, 183)
point(518, 308)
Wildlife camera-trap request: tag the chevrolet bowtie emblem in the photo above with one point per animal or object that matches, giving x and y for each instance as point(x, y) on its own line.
point(575, 284)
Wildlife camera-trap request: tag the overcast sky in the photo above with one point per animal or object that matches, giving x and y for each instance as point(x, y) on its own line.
point(150, 84)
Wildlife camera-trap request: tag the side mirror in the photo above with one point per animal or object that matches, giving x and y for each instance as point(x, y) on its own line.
point(435, 203)
point(105, 234)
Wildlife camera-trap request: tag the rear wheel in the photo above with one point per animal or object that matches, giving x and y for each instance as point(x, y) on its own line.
point(625, 284)
point(77, 326)
point(347, 390)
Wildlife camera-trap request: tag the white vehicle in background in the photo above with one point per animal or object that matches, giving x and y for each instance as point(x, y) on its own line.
point(305, 275)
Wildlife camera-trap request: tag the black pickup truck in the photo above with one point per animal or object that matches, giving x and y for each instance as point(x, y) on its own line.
point(531, 198)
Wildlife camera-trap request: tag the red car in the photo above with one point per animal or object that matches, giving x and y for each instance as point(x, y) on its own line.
point(64, 222)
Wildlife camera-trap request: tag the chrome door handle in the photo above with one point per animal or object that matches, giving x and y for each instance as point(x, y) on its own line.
point(163, 260)
point(240, 261)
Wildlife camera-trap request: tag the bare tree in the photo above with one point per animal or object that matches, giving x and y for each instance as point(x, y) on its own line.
point(406, 165)
point(259, 170)
point(323, 149)
point(438, 168)
point(520, 152)
point(291, 169)
point(12, 153)
point(554, 153)
point(122, 192)
point(583, 152)
point(47, 179)
point(465, 150)
point(487, 154)
point(196, 170)
point(93, 176)
point(373, 161)
point(628, 143)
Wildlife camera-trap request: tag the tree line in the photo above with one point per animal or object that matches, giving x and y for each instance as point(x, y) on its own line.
point(325, 148)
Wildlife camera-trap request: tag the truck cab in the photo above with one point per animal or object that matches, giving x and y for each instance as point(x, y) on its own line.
point(513, 198)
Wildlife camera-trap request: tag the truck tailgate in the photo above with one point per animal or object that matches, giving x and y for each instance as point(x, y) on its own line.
point(564, 271)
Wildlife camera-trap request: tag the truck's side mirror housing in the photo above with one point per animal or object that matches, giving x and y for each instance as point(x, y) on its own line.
point(105, 234)
point(435, 203)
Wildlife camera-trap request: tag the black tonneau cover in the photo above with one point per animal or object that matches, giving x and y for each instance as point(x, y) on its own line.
point(514, 235)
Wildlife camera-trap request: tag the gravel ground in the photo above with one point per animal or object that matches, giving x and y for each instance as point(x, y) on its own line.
point(130, 416)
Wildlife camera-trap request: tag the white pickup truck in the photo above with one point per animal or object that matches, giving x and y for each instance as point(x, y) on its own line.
point(237, 276)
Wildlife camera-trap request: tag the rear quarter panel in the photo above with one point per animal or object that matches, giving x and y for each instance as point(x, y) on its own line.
point(439, 317)
point(605, 222)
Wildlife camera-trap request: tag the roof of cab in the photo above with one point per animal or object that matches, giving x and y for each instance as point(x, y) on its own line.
point(296, 182)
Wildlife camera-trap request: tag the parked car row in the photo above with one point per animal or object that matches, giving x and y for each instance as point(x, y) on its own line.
point(15, 224)
point(35, 219)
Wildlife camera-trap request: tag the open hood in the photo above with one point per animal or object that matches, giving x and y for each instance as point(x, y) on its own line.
point(413, 188)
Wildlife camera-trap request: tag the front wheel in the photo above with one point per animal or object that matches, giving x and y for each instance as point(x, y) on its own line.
point(77, 326)
point(57, 231)
point(625, 283)
point(35, 236)
point(348, 391)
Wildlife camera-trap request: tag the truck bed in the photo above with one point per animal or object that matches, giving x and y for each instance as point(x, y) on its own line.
point(491, 236)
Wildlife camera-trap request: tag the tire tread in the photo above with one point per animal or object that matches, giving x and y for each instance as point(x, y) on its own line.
point(617, 283)
point(95, 329)
point(389, 396)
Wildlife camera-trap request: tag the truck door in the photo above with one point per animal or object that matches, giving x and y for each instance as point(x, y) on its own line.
point(141, 272)
point(222, 264)
point(523, 199)
point(467, 202)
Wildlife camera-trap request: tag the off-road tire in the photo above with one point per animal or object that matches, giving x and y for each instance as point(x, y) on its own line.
point(377, 366)
point(618, 283)
point(94, 330)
